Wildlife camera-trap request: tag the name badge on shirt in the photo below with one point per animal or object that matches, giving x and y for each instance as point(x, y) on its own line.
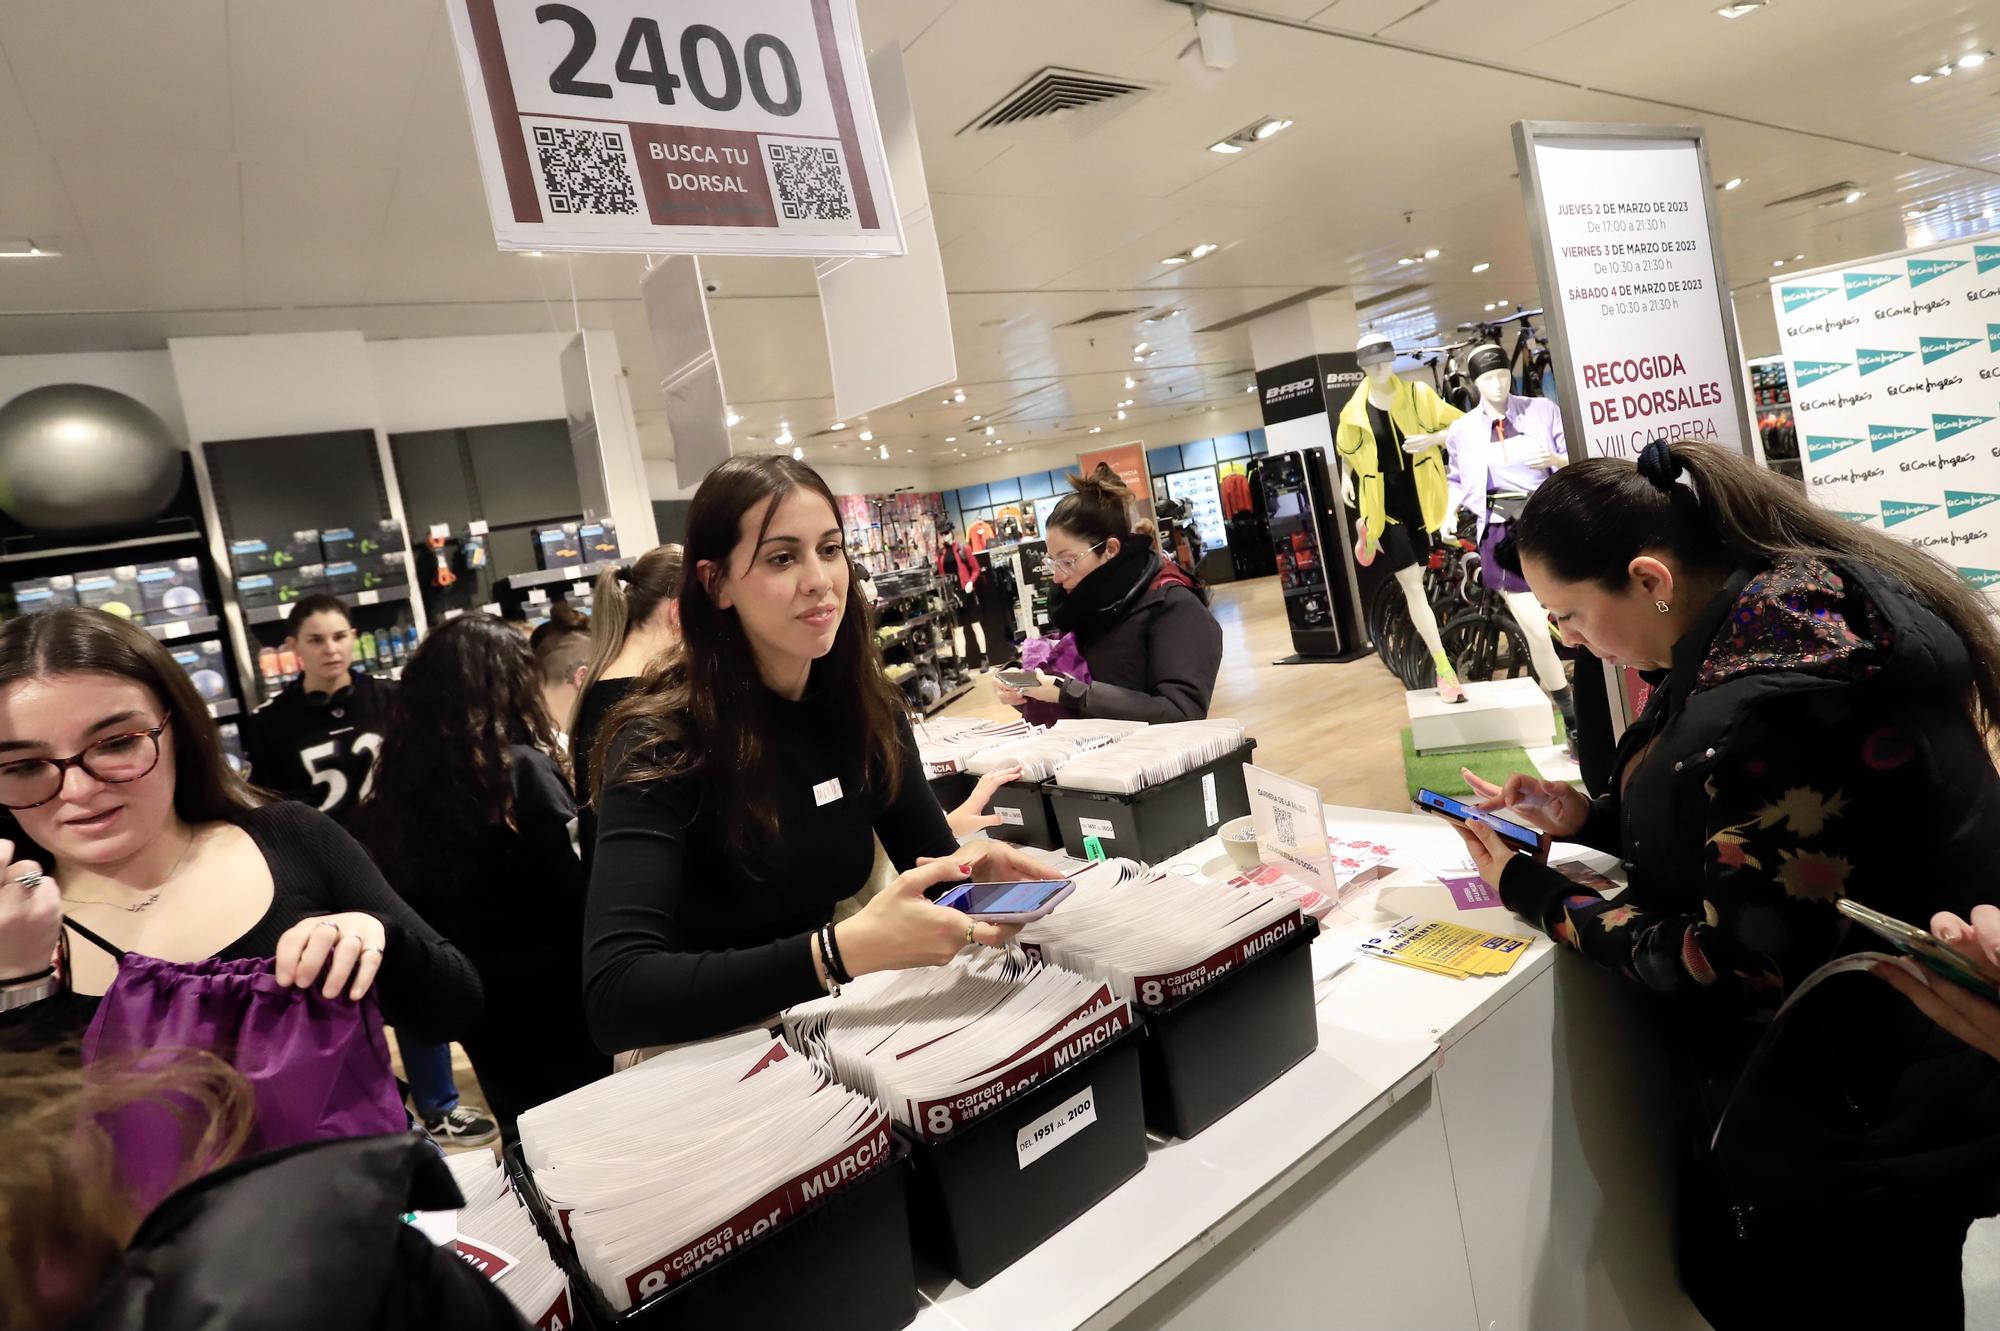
point(826, 792)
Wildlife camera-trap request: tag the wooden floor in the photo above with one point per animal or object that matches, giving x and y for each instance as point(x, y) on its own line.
point(1336, 727)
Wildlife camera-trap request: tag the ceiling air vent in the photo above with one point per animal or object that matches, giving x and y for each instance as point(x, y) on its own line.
point(1097, 316)
point(1060, 104)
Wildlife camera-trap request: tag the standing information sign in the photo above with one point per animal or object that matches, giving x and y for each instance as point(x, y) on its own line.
point(1895, 371)
point(1630, 263)
point(1291, 827)
point(697, 127)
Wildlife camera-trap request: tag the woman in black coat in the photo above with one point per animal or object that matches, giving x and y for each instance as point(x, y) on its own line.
point(1152, 646)
point(1818, 728)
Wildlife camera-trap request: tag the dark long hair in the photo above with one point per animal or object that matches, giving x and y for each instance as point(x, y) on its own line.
point(1590, 520)
point(444, 778)
point(705, 709)
point(1099, 507)
point(79, 641)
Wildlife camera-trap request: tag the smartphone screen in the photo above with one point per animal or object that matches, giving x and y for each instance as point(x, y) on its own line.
point(1925, 946)
point(1002, 898)
point(1465, 813)
point(1019, 679)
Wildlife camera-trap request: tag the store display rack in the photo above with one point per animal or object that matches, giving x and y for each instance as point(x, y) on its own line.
point(911, 657)
point(552, 576)
point(200, 627)
point(272, 614)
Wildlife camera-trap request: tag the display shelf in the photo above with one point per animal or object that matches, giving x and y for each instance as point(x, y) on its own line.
point(199, 627)
point(224, 708)
point(106, 547)
point(271, 614)
point(568, 573)
point(1316, 590)
point(948, 697)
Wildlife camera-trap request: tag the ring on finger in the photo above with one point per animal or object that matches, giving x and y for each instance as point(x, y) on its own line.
point(327, 924)
point(969, 926)
point(31, 880)
point(366, 950)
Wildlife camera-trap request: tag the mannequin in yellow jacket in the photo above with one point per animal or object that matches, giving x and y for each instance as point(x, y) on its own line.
point(1419, 419)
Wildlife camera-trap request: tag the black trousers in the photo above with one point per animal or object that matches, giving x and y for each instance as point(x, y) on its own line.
point(1749, 1270)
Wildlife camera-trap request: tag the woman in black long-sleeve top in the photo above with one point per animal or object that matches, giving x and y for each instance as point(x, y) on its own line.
point(125, 831)
point(744, 784)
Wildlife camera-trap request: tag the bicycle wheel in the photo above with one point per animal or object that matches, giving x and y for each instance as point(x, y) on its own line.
point(1487, 647)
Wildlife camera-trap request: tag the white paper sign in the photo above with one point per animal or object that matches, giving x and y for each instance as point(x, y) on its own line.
point(1632, 268)
point(1009, 817)
point(1037, 1139)
point(1097, 827)
point(700, 127)
point(1894, 372)
point(1291, 826)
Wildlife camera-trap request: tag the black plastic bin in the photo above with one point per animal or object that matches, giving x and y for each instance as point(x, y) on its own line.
point(843, 1264)
point(1161, 820)
point(1209, 1052)
point(1027, 817)
point(976, 1209)
point(953, 789)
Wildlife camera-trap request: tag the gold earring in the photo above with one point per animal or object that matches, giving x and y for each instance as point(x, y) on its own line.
point(1663, 607)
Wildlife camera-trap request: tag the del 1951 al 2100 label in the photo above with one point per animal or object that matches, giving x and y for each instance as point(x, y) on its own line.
point(1037, 1139)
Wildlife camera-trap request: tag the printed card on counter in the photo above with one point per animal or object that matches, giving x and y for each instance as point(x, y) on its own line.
point(1447, 949)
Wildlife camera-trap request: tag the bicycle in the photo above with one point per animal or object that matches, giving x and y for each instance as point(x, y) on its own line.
point(1481, 638)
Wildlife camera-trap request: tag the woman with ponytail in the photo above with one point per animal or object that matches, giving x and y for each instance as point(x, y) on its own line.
point(1139, 622)
point(1818, 729)
point(633, 625)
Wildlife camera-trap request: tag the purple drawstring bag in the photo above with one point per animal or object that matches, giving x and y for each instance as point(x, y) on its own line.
point(1055, 655)
point(318, 1067)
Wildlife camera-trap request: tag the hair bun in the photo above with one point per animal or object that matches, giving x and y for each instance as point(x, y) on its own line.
point(1658, 464)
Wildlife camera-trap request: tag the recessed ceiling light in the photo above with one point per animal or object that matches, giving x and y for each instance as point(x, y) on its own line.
point(1777, 263)
point(1405, 262)
point(1130, 382)
point(532, 254)
point(784, 438)
point(1127, 402)
point(1920, 78)
point(1432, 254)
point(1138, 360)
point(840, 425)
point(1734, 182)
point(1097, 429)
point(989, 432)
point(1739, 10)
point(734, 419)
point(1972, 59)
point(958, 396)
point(1853, 196)
point(977, 419)
point(1138, 347)
point(27, 249)
point(909, 450)
point(883, 452)
point(951, 439)
point(1489, 305)
point(1798, 258)
point(1942, 71)
point(1172, 259)
point(1481, 267)
point(798, 455)
point(1202, 251)
point(1226, 148)
point(1121, 415)
point(1271, 127)
point(1249, 388)
point(867, 436)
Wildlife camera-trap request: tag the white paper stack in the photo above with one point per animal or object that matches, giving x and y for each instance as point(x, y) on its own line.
point(944, 743)
point(1151, 756)
point(942, 1045)
point(1158, 937)
point(497, 1238)
point(659, 1170)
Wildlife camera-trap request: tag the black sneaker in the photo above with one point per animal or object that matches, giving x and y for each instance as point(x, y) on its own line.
point(462, 1127)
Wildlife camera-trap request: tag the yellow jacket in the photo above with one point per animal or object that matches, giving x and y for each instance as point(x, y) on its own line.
point(1416, 410)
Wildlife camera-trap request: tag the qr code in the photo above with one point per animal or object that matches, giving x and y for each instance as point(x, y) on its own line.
point(586, 172)
point(1287, 832)
point(809, 182)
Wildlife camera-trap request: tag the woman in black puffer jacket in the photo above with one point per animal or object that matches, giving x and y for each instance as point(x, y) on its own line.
point(1142, 626)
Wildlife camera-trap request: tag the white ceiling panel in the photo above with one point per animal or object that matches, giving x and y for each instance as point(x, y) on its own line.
point(165, 229)
point(1367, 15)
point(113, 73)
point(311, 234)
point(1497, 32)
point(288, 109)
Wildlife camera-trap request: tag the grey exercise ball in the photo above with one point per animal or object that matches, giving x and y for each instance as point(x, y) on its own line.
point(75, 457)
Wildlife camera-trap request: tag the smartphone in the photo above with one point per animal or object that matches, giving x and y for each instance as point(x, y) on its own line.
point(1515, 834)
point(1925, 946)
point(1019, 679)
point(1007, 903)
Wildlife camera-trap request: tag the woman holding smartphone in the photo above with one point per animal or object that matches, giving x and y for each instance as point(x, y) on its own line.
point(1817, 730)
point(743, 784)
point(124, 830)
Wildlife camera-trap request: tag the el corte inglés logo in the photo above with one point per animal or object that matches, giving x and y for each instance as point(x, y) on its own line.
point(1887, 436)
point(1925, 270)
point(1944, 427)
point(1796, 297)
point(1993, 337)
point(1860, 284)
point(1981, 578)
point(1873, 360)
point(1851, 515)
point(1987, 257)
point(1937, 348)
point(1812, 371)
point(1895, 511)
point(1957, 503)
point(1820, 446)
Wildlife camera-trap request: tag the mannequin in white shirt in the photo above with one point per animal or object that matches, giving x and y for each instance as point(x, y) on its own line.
point(1530, 451)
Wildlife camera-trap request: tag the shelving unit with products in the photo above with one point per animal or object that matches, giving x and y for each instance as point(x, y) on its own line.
point(912, 617)
point(1771, 400)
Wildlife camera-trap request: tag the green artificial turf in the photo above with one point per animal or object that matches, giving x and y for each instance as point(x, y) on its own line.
point(1440, 771)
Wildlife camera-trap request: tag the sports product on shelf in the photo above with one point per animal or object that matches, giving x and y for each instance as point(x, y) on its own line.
point(924, 1041)
point(657, 1171)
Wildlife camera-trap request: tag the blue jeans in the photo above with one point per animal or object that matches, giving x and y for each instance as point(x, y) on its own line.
point(428, 1068)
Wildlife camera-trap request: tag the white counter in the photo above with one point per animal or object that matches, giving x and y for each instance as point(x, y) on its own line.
point(1456, 1153)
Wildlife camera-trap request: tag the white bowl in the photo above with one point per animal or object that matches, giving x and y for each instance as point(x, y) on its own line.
point(1239, 838)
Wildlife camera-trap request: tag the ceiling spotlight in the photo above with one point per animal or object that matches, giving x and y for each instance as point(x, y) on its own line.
point(1973, 59)
point(1203, 250)
point(1734, 182)
point(1489, 305)
point(798, 455)
point(734, 419)
point(958, 395)
point(867, 436)
point(883, 452)
point(977, 419)
point(951, 439)
point(1432, 254)
point(1404, 263)
point(1130, 382)
point(1249, 388)
point(1739, 10)
point(840, 425)
point(1138, 360)
point(532, 254)
point(1226, 148)
point(1798, 258)
point(784, 437)
point(1126, 403)
point(1777, 263)
point(1271, 127)
point(909, 450)
point(1481, 267)
point(1172, 259)
point(1920, 78)
point(1942, 71)
point(1853, 196)
point(989, 431)
point(1138, 347)
point(1097, 429)
point(1121, 415)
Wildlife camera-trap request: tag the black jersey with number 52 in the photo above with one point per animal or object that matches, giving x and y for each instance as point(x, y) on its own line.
point(319, 748)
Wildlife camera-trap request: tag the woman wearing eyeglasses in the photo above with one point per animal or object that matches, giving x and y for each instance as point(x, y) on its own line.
point(1142, 627)
point(122, 829)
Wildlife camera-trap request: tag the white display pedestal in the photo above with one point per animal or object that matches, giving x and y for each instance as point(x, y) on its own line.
point(1505, 713)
